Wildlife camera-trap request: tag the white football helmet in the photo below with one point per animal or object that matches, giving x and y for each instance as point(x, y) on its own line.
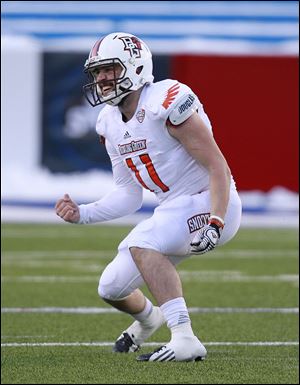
point(126, 50)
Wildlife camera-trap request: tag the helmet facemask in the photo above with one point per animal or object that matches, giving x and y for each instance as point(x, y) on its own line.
point(118, 86)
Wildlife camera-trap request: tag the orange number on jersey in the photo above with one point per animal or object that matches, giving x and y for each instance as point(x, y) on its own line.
point(146, 160)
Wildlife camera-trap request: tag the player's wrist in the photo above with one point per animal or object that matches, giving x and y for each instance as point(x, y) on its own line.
point(217, 223)
point(217, 220)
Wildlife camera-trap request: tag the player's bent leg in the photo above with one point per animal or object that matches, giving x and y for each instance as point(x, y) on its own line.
point(164, 283)
point(150, 243)
point(121, 291)
point(159, 273)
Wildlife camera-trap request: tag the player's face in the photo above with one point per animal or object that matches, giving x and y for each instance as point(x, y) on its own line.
point(106, 77)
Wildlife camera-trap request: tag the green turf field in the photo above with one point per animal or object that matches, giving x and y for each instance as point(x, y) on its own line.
point(243, 299)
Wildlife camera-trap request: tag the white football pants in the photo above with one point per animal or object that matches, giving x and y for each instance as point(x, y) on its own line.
point(170, 231)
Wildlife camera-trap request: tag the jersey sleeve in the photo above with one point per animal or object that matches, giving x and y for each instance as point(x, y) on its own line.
point(124, 199)
point(177, 102)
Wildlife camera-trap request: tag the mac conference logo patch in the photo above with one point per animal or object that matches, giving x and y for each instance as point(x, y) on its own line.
point(140, 115)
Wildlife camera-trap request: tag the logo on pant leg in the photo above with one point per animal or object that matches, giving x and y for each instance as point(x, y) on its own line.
point(198, 221)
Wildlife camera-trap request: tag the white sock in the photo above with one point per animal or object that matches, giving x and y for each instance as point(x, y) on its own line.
point(182, 330)
point(143, 316)
point(175, 312)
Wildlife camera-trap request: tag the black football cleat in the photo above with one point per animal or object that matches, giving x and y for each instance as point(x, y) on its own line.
point(125, 344)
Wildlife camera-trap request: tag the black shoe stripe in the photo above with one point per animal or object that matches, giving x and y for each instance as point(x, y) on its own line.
point(163, 354)
point(166, 355)
point(171, 357)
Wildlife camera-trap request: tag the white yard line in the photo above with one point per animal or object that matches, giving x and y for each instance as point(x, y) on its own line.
point(234, 276)
point(20, 254)
point(200, 276)
point(248, 254)
point(32, 336)
point(104, 310)
point(52, 279)
point(285, 310)
point(238, 343)
point(218, 253)
point(51, 233)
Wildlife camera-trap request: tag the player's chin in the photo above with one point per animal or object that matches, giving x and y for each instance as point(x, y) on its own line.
point(106, 92)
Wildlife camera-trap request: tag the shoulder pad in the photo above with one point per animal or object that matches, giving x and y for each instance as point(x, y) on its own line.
point(158, 97)
point(184, 107)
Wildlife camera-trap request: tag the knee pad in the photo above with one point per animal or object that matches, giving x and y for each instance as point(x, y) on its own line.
point(108, 287)
point(118, 280)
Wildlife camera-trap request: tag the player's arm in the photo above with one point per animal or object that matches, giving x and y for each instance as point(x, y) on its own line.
point(200, 144)
point(125, 199)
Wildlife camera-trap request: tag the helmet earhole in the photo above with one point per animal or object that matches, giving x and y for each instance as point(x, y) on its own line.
point(139, 70)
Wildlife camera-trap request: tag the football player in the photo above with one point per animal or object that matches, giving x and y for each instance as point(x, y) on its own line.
point(159, 138)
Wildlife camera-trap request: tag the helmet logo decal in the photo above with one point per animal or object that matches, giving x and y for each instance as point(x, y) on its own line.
point(133, 45)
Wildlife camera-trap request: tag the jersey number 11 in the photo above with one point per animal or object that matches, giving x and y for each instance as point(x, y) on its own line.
point(146, 160)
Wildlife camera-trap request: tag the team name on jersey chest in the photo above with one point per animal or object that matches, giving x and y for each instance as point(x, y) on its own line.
point(133, 146)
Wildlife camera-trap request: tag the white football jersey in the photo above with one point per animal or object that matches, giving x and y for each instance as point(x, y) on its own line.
point(143, 148)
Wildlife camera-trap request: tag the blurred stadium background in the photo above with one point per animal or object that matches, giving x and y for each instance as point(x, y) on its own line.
point(240, 57)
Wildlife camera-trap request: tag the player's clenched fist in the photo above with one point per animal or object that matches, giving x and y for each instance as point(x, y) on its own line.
point(67, 209)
